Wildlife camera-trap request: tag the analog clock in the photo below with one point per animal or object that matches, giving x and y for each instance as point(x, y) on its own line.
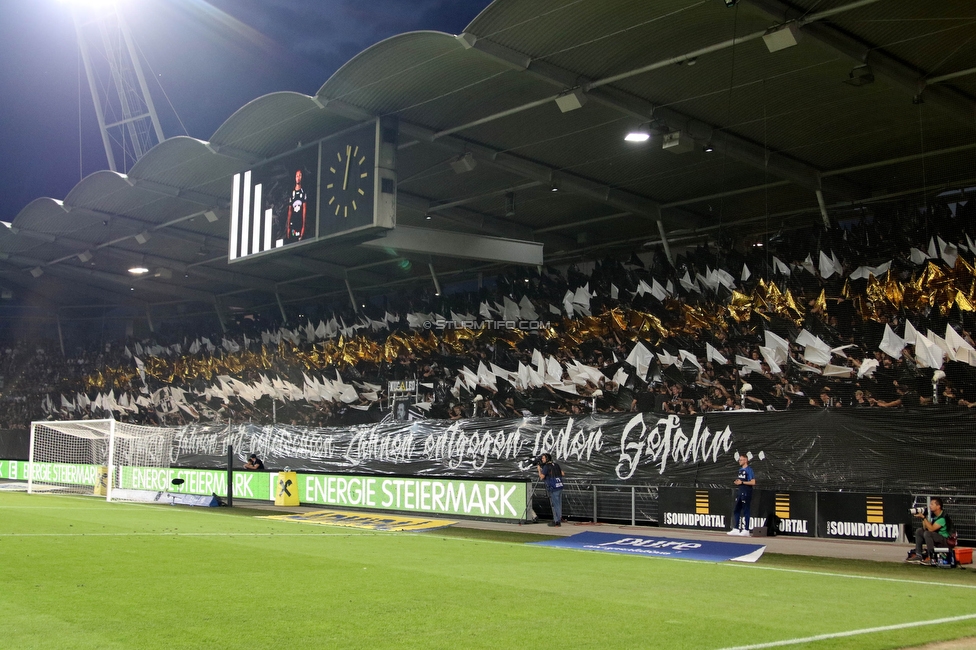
point(348, 181)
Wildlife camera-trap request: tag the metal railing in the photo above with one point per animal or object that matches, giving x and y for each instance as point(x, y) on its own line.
point(602, 502)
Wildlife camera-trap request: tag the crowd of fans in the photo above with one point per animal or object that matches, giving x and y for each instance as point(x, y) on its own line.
point(503, 375)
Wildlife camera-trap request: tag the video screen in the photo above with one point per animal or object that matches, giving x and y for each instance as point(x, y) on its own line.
point(274, 205)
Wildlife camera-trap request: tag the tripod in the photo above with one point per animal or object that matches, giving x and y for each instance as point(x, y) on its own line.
point(528, 515)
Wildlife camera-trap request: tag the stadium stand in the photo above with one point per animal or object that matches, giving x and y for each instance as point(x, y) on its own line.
point(723, 330)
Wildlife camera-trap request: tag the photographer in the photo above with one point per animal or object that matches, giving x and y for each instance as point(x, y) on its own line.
point(552, 475)
point(933, 532)
point(254, 463)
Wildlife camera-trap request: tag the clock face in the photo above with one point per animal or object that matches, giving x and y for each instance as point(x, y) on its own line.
point(348, 178)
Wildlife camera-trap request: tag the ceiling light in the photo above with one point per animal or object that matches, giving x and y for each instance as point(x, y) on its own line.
point(428, 217)
point(640, 134)
point(142, 237)
point(37, 271)
point(85, 256)
point(138, 270)
point(210, 215)
point(708, 148)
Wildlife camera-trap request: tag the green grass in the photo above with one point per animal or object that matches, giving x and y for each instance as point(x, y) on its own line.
point(82, 573)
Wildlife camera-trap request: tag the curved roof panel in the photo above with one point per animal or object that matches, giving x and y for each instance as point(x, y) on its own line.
point(275, 123)
point(92, 189)
point(53, 217)
point(184, 163)
point(410, 70)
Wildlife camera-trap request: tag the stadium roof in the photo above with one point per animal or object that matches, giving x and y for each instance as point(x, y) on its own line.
point(781, 124)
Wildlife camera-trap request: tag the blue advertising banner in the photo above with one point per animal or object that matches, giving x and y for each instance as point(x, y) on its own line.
point(655, 546)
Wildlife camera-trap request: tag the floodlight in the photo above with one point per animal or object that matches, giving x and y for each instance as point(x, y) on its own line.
point(37, 271)
point(143, 237)
point(138, 270)
point(640, 134)
point(210, 215)
point(85, 256)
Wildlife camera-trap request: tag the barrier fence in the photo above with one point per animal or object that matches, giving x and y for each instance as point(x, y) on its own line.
point(876, 516)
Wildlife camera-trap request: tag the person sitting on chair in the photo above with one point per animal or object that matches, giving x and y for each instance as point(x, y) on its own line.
point(933, 532)
point(254, 463)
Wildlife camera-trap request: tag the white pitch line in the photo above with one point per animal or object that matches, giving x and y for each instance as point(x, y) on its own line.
point(839, 635)
point(848, 575)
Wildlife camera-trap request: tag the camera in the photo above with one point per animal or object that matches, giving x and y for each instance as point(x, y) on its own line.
point(917, 510)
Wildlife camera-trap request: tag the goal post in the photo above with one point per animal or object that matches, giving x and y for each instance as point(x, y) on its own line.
point(93, 457)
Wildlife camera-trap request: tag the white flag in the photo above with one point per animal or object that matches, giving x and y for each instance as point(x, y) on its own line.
point(714, 355)
point(640, 358)
point(891, 343)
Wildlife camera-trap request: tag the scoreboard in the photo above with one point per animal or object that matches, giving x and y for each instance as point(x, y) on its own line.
point(343, 186)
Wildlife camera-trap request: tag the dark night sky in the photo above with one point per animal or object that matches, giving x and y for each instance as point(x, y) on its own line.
point(210, 58)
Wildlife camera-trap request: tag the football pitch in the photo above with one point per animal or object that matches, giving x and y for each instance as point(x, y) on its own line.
point(78, 572)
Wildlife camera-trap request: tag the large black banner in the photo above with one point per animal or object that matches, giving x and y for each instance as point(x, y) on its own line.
point(819, 450)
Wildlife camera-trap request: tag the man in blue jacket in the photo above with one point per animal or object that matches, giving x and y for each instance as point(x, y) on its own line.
point(745, 480)
point(552, 475)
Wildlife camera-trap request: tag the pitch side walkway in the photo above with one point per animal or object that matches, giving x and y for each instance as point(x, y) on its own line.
point(834, 548)
point(847, 549)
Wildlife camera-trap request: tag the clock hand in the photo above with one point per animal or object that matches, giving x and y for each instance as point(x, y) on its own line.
point(345, 179)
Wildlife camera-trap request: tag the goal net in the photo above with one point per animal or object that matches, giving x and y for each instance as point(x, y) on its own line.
point(93, 457)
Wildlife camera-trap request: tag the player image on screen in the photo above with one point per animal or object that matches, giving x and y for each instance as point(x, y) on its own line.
point(297, 207)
